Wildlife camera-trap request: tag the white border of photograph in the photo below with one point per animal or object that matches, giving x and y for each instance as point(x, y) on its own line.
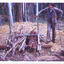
point(32, 62)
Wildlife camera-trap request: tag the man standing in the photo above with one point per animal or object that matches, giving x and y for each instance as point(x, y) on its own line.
point(53, 14)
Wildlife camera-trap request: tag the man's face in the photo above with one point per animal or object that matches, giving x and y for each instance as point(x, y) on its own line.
point(50, 6)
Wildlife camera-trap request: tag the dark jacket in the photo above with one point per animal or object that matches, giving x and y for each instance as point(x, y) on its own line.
point(57, 13)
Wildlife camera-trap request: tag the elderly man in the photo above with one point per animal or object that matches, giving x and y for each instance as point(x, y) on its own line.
point(53, 14)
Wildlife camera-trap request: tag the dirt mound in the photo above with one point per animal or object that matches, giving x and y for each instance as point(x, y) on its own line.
point(27, 27)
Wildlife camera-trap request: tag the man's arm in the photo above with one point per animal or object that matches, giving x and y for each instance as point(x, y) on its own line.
point(43, 10)
point(59, 11)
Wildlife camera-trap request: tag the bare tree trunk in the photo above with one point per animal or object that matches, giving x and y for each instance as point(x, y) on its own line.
point(19, 12)
point(13, 11)
point(10, 16)
point(25, 12)
point(10, 13)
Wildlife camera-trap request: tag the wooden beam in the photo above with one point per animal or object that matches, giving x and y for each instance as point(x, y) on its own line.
point(28, 35)
point(38, 45)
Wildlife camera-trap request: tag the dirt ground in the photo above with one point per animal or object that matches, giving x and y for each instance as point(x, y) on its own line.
point(46, 54)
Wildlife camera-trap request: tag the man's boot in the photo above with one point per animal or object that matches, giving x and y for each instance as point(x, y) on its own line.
point(47, 42)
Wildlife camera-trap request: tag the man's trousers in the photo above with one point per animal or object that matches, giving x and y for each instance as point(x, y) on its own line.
point(50, 26)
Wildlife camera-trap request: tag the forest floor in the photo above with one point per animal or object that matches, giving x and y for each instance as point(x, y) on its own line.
point(46, 54)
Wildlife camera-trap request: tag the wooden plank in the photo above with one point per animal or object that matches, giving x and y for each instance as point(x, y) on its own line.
point(23, 45)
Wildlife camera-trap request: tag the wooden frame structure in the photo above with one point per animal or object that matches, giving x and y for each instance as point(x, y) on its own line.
point(38, 35)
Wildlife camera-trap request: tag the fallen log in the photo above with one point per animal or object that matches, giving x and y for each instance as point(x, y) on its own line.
point(3, 46)
point(46, 46)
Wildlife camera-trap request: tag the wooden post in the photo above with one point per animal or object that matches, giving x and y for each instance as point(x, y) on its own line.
point(39, 45)
point(37, 18)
